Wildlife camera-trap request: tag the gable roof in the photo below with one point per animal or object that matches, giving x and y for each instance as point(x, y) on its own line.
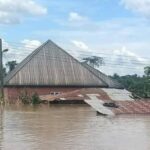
point(108, 80)
point(49, 65)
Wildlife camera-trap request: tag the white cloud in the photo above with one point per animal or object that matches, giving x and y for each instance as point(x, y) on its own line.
point(31, 43)
point(81, 45)
point(124, 62)
point(73, 16)
point(128, 55)
point(121, 61)
point(19, 52)
point(8, 18)
point(79, 49)
point(139, 6)
point(12, 11)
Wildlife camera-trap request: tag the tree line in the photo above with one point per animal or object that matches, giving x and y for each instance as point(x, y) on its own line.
point(138, 85)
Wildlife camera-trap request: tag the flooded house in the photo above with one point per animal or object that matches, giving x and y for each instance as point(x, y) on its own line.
point(57, 77)
point(50, 70)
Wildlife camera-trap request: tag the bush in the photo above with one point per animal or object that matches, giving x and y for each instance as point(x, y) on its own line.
point(35, 99)
point(27, 99)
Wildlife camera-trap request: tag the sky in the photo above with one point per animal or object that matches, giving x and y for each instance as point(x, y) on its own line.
point(117, 30)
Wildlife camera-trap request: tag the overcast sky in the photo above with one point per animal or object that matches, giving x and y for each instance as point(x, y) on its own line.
point(118, 30)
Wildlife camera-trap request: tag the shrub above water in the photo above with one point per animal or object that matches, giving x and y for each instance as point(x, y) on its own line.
point(27, 99)
point(35, 99)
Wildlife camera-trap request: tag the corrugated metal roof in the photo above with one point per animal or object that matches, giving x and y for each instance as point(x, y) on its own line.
point(49, 65)
point(124, 104)
point(104, 94)
point(109, 81)
point(132, 107)
point(119, 94)
point(79, 94)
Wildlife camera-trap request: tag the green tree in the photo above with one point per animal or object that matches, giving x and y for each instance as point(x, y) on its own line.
point(11, 65)
point(139, 86)
point(147, 71)
point(94, 61)
point(116, 76)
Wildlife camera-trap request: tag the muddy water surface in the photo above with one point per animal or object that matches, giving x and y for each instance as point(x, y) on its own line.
point(70, 127)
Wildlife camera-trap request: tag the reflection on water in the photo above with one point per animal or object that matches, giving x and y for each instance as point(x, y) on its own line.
point(70, 127)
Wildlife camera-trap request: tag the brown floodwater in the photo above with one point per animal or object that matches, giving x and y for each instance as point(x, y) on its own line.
point(70, 127)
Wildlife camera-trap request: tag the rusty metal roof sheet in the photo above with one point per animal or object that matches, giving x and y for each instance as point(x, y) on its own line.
point(124, 106)
point(81, 93)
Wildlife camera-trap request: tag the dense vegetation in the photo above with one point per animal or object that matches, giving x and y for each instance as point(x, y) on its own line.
point(139, 86)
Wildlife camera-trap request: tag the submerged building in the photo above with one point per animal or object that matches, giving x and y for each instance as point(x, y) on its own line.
point(51, 70)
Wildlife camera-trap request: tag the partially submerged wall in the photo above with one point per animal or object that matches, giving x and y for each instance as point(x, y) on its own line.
point(12, 93)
